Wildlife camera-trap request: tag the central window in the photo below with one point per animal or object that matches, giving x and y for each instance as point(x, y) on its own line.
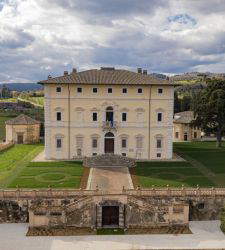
point(95, 117)
point(94, 143)
point(109, 90)
point(58, 89)
point(140, 91)
point(109, 114)
point(124, 143)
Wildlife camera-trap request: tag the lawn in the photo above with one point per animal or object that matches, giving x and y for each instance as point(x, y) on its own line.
point(14, 159)
point(49, 174)
point(174, 174)
point(205, 167)
point(3, 119)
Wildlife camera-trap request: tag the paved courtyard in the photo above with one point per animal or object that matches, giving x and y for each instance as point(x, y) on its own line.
point(205, 235)
point(110, 178)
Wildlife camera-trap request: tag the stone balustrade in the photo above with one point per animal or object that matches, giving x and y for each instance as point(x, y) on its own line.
point(70, 193)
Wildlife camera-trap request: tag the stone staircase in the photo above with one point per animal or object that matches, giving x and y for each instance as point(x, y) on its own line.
point(108, 160)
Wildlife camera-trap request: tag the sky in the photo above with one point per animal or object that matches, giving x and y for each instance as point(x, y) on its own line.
point(42, 37)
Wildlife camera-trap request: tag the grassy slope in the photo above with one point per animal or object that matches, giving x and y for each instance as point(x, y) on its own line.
point(206, 153)
point(13, 160)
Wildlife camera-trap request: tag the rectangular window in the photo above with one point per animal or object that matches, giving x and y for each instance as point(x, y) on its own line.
point(158, 155)
point(160, 91)
point(140, 91)
point(94, 143)
point(95, 90)
point(177, 135)
point(59, 143)
point(124, 154)
point(124, 117)
point(79, 90)
point(124, 90)
point(58, 89)
point(195, 135)
point(159, 143)
point(109, 90)
point(124, 143)
point(95, 117)
point(58, 116)
point(159, 117)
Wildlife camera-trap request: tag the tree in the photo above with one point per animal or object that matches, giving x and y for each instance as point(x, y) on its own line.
point(209, 109)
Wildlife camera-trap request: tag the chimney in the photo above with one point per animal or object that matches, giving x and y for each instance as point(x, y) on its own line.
point(49, 77)
point(145, 72)
point(66, 73)
point(139, 70)
point(74, 71)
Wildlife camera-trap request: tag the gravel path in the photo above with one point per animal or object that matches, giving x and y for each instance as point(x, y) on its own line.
point(110, 179)
point(205, 235)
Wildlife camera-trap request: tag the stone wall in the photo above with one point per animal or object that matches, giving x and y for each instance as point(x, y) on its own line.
point(138, 208)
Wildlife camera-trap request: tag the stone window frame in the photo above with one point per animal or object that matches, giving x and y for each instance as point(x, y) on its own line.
point(177, 135)
point(124, 137)
point(109, 90)
point(94, 90)
point(59, 110)
point(81, 111)
point(124, 111)
point(97, 138)
point(59, 137)
point(79, 90)
point(124, 91)
point(140, 91)
point(161, 138)
point(58, 88)
point(160, 89)
point(79, 147)
point(140, 111)
point(159, 111)
point(139, 136)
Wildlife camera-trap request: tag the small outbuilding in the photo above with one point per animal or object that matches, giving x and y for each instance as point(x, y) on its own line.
point(182, 130)
point(22, 130)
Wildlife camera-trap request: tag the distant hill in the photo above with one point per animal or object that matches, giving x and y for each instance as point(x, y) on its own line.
point(23, 86)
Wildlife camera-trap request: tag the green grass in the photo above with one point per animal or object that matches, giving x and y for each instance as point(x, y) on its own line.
point(205, 167)
point(175, 174)
point(8, 99)
point(3, 119)
point(110, 231)
point(49, 174)
point(14, 159)
point(207, 157)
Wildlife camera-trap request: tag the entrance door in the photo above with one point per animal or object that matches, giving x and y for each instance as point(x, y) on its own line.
point(20, 139)
point(110, 216)
point(109, 145)
point(185, 137)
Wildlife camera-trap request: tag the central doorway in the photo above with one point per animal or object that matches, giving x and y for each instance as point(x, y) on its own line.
point(20, 138)
point(109, 143)
point(110, 216)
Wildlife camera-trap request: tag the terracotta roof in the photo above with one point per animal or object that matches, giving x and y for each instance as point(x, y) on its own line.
point(107, 76)
point(184, 117)
point(22, 120)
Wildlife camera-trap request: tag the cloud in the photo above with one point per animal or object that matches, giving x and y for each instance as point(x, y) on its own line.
point(42, 37)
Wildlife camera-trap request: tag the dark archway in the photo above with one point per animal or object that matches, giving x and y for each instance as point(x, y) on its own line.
point(110, 216)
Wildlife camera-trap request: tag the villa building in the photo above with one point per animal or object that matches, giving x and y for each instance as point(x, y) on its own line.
point(108, 110)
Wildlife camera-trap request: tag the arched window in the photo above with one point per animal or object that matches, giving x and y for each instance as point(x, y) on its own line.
point(109, 134)
point(110, 108)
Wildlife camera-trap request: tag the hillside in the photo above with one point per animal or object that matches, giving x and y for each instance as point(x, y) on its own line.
point(23, 86)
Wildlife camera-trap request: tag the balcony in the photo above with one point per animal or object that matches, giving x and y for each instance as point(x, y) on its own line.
point(109, 125)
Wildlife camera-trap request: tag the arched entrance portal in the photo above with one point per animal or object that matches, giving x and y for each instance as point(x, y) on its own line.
point(109, 143)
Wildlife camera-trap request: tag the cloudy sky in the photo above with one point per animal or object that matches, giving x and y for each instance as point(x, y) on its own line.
point(42, 37)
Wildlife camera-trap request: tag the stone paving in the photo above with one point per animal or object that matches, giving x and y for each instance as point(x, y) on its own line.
point(206, 235)
point(110, 179)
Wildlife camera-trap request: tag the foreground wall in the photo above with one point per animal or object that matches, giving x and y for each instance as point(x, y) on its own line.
point(138, 208)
